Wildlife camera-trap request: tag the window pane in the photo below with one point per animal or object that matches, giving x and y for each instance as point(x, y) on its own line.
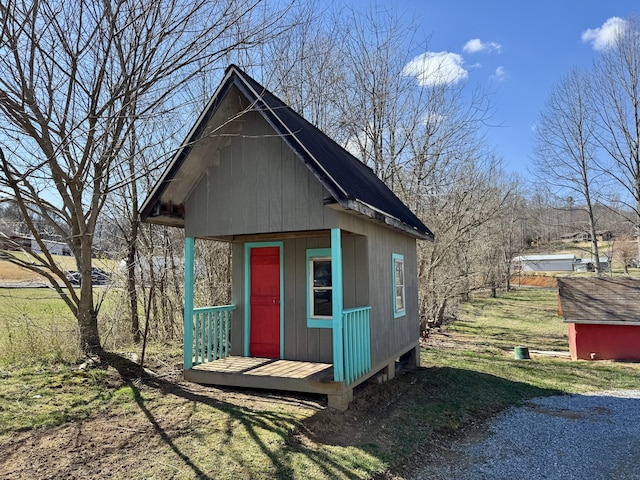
point(321, 273)
point(322, 303)
point(399, 264)
point(399, 299)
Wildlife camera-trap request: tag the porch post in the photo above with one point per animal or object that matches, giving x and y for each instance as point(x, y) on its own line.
point(189, 244)
point(336, 301)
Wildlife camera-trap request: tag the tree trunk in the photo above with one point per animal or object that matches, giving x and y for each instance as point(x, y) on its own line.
point(595, 253)
point(87, 316)
point(131, 284)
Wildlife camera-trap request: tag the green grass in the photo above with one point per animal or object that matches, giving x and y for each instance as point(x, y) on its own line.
point(174, 431)
point(36, 326)
point(528, 316)
point(46, 396)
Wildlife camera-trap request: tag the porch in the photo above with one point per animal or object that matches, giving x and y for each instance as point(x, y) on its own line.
point(267, 373)
point(207, 358)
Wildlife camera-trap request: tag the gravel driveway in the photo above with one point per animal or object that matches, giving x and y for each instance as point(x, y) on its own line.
point(592, 436)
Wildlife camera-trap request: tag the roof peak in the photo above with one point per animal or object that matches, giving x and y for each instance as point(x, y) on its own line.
point(346, 178)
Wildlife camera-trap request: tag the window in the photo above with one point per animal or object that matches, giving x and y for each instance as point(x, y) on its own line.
point(319, 288)
point(399, 306)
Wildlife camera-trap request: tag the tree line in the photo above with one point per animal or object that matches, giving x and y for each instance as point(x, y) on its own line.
point(96, 96)
point(588, 135)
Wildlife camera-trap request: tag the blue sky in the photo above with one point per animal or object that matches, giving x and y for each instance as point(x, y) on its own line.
point(518, 49)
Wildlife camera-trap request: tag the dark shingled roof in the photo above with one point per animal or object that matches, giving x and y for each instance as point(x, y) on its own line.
point(352, 184)
point(605, 300)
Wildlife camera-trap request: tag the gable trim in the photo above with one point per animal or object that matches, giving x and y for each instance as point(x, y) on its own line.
point(319, 155)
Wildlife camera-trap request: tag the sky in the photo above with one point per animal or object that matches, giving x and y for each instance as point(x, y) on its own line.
point(518, 49)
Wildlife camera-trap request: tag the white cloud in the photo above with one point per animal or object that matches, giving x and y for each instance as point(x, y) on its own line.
point(500, 74)
point(476, 45)
point(436, 68)
point(603, 37)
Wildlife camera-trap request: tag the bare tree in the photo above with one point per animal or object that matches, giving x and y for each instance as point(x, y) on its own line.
point(566, 149)
point(423, 141)
point(381, 107)
point(616, 100)
point(77, 79)
point(306, 65)
point(462, 213)
point(625, 251)
point(510, 241)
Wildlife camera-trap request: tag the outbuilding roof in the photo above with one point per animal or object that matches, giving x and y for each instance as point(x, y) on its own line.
point(352, 184)
point(605, 300)
point(545, 258)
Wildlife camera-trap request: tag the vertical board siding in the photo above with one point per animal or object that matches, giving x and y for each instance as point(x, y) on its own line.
point(300, 342)
point(388, 334)
point(308, 344)
point(256, 185)
point(367, 282)
point(349, 274)
point(261, 200)
point(361, 266)
point(291, 326)
point(275, 198)
point(237, 299)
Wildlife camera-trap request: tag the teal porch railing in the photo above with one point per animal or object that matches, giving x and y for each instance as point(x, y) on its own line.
point(210, 334)
point(357, 343)
point(209, 328)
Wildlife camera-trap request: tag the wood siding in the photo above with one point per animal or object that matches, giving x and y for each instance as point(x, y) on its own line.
point(301, 342)
point(389, 335)
point(604, 342)
point(607, 300)
point(256, 185)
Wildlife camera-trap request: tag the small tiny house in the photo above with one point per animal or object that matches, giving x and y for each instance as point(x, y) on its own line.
point(603, 315)
point(324, 268)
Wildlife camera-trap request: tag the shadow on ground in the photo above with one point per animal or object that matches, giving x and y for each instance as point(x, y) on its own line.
point(394, 422)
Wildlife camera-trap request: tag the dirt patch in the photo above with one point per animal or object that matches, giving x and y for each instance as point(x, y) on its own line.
point(115, 445)
point(534, 281)
point(101, 447)
point(109, 445)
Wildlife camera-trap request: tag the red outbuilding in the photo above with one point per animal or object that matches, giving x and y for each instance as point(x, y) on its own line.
point(603, 316)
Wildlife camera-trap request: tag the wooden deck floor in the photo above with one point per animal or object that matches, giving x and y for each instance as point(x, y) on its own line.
point(267, 373)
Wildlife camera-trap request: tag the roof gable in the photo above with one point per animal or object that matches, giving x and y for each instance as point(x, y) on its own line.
point(353, 185)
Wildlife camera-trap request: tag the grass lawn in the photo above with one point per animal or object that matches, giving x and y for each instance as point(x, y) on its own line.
point(36, 326)
point(58, 420)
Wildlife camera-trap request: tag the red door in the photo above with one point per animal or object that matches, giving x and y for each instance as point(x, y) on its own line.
point(265, 302)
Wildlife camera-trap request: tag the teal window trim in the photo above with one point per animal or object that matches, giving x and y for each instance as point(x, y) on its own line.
point(247, 292)
point(397, 313)
point(316, 322)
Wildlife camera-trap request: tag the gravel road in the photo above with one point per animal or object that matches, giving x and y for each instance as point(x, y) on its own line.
point(593, 436)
